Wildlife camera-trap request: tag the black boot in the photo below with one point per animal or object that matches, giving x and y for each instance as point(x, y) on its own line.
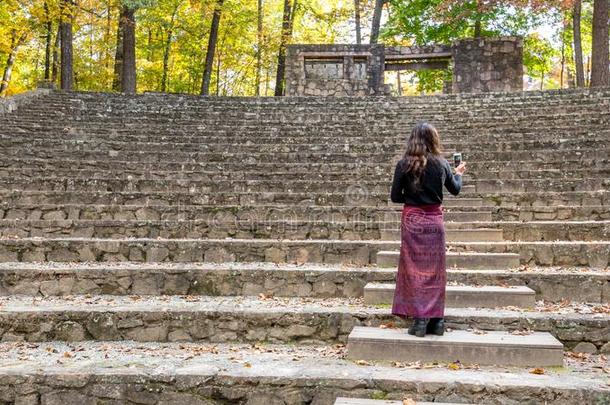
point(418, 328)
point(436, 326)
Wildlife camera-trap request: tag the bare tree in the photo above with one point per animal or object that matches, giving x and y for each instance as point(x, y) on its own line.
point(212, 41)
point(600, 54)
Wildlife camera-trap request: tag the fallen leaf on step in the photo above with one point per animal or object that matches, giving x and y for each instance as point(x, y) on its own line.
point(408, 401)
point(247, 365)
point(389, 325)
point(454, 366)
point(363, 363)
point(538, 371)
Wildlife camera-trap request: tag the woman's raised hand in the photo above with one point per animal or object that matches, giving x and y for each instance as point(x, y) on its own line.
point(461, 169)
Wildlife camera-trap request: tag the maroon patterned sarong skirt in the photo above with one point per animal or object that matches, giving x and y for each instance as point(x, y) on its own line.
point(421, 278)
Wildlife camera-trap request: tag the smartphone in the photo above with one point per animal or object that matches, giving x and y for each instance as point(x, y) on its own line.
point(457, 159)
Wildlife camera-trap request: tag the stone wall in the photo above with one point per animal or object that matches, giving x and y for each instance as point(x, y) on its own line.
point(488, 64)
point(479, 65)
point(334, 70)
point(10, 104)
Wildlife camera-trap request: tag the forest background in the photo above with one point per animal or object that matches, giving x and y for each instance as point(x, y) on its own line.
point(237, 47)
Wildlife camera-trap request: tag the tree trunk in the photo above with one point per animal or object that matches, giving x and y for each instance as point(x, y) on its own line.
point(8, 68)
point(67, 67)
point(48, 43)
point(168, 48)
point(600, 54)
point(209, 57)
point(128, 84)
point(376, 21)
point(55, 67)
point(357, 20)
point(399, 82)
point(478, 26)
point(168, 45)
point(578, 62)
point(118, 55)
point(259, 49)
point(281, 57)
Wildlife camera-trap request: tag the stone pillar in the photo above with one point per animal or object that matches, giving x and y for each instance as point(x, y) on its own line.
point(488, 64)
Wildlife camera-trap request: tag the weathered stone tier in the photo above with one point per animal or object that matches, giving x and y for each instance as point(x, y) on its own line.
point(204, 374)
point(252, 319)
point(236, 279)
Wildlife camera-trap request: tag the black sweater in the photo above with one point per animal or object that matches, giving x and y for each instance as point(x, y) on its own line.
point(436, 174)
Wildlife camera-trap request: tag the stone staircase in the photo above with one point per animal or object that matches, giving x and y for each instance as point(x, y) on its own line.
point(169, 248)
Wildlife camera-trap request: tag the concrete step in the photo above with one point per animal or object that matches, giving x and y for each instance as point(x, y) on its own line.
point(460, 260)
point(462, 296)
point(538, 349)
point(181, 374)
point(286, 280)
point(453, 235)
point(362, 401)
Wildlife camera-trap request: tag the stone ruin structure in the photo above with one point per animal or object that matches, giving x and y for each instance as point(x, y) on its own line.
point(478, 65)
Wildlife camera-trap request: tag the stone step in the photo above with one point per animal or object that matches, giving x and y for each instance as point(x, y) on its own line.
point(153, 209)
point(462, 296)
point(289, 184)
point(354, 197)
point(568, 212)
point(294, 156)
point(210, 186)
point(463, 255)
point(363, 401)
point(20, 130)
point(496, 169)
point(260, 319)
point(451, 235)
point(182, 373)
point(287, 144)
point(538, 349)
point(366, 174)
point(286, 280)
point(493, 231)
point(493, 261)
point(217, 227)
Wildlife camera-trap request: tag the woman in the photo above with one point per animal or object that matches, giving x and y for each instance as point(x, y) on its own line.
point(418, 184)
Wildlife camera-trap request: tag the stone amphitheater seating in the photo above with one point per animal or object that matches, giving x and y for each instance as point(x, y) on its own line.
point(172, 248)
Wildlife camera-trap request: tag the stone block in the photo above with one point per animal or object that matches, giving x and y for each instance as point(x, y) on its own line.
point(539, 349)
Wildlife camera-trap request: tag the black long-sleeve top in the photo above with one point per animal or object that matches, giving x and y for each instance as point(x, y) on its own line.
point(437, 174)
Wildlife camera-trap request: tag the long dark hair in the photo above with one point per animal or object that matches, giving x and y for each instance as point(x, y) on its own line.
point(424, 143)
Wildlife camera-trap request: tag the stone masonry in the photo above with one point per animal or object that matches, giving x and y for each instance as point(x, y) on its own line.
point(478, 65)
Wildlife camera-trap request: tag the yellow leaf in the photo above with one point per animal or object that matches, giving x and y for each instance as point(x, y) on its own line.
point(537, 370)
